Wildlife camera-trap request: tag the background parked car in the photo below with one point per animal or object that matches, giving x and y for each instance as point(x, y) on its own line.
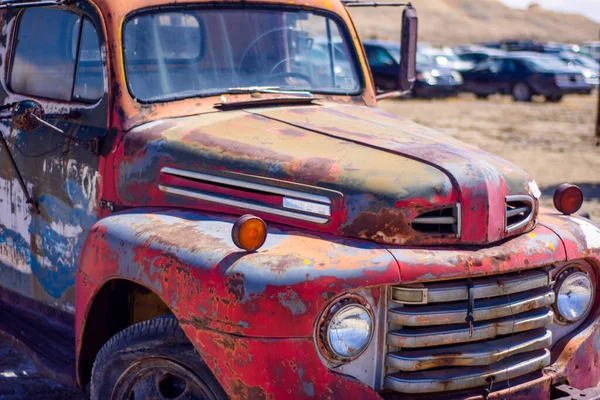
point(589, 67)
point(432, 80)
point(445, 59)
point(591, 49)
point(479, 54)
point(523, 75)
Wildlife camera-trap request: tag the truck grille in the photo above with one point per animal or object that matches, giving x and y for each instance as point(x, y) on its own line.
point(519, 212)
point(442, 221)
point(431, 348)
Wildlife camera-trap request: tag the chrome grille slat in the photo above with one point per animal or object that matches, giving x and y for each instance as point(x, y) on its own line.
point(431, 348)
point(519, 212)
point(439, 292)
point(465, 378)
point(459, 333)
point(516, 211)
point(472, 354)
point(452, 313)
point(442, 221)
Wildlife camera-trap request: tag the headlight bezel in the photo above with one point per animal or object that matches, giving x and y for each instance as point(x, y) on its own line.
point(561, 277)
point(324, 325)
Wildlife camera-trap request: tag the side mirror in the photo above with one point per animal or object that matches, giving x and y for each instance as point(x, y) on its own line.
point(408, 49)
point(27, 114)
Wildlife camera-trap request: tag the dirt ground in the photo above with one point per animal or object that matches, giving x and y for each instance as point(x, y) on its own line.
point(553, 142)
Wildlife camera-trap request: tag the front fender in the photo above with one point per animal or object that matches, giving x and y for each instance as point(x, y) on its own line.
point(189, 260)
point(580, 236)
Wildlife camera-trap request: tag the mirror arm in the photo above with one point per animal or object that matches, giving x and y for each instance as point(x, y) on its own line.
point(388, 95)
point(33, 204)
point(92, 146)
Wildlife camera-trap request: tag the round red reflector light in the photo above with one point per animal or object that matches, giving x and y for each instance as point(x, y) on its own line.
point(568, 198)
point(249, 233)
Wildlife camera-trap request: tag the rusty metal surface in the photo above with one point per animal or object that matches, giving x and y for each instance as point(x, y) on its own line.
point(570, 393)
point(252, 316)
point(405, 170)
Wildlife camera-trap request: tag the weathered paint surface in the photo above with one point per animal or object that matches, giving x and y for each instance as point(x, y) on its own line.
point(252, 316)
point(39, 252)
point(234, 305)
point(388, 170)
point(190, 260)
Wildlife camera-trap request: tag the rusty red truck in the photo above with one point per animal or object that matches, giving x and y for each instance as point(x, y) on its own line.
point(201, 199)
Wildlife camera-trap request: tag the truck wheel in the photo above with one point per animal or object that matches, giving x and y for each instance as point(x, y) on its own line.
point(152, 360)
point(521, 92)
point(482, 96)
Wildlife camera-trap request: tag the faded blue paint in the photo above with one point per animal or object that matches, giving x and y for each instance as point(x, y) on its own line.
point(61, 251)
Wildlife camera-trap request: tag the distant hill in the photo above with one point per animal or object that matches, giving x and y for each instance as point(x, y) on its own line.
point(449, 22)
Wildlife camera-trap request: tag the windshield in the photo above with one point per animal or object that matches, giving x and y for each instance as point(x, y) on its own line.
point(199, 52)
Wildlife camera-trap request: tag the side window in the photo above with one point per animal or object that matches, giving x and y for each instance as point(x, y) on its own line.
point(508, 66)
point(45, 62)
point(496, 67)
point(89, 80)
point(42, 63)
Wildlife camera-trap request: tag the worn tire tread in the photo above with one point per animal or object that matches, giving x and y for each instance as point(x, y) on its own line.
point(164, 330)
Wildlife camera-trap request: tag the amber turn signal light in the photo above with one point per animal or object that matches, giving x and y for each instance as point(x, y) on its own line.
point(249, 233)
point(568, 198)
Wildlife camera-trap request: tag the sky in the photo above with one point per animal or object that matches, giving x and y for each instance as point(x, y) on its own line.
point(589, 8)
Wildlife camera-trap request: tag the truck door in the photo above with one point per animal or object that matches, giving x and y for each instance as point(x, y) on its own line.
point(56, 60)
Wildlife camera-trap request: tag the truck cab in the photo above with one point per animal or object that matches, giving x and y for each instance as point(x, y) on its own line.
point(202, 200)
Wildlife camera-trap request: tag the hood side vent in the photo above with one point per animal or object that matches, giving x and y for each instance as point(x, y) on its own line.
point(259, 195)
point(519, 212)
point(445, 221)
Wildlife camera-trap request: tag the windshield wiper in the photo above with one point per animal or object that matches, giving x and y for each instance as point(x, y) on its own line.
point(268, 90)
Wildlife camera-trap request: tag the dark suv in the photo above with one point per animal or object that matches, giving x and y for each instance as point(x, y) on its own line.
point(524, 75)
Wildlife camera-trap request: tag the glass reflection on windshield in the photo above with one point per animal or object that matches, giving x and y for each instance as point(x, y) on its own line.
point(177, 54)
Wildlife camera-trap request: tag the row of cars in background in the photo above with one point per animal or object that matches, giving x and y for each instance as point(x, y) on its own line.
point(519, 68)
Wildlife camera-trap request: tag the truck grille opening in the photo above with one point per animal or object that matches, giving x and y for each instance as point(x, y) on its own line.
point(519, 212)
point(431, 348)
point(442, 221)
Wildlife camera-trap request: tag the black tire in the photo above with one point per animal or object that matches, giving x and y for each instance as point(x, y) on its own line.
point(555, 98)
point(482, 96)
point(521, 92)
point(152, 359)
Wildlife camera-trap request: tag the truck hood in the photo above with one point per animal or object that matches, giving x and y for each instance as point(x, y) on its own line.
point(350, 170)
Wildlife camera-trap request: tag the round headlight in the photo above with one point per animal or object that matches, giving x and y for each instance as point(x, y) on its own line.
point(574, 294)
point(349, 331)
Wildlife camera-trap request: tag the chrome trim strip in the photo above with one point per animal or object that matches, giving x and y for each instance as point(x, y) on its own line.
point(516, 211)
point(306, 206)
point(454, 313)
point(521, 224)
point(449, 379)
point(245, 185)
point(458, 220)
point(459, 333)
point(435, 220)
point(473, 354)
point(440, 292)
point(242, 204)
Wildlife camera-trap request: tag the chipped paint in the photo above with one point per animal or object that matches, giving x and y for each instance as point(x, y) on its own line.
point(252, 316)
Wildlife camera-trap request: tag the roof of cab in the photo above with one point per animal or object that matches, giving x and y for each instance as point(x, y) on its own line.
point(121, 8)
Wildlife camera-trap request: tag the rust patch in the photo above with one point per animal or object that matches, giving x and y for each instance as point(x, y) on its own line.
point(244, 392)
point(235, 286)
point(388, 226)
